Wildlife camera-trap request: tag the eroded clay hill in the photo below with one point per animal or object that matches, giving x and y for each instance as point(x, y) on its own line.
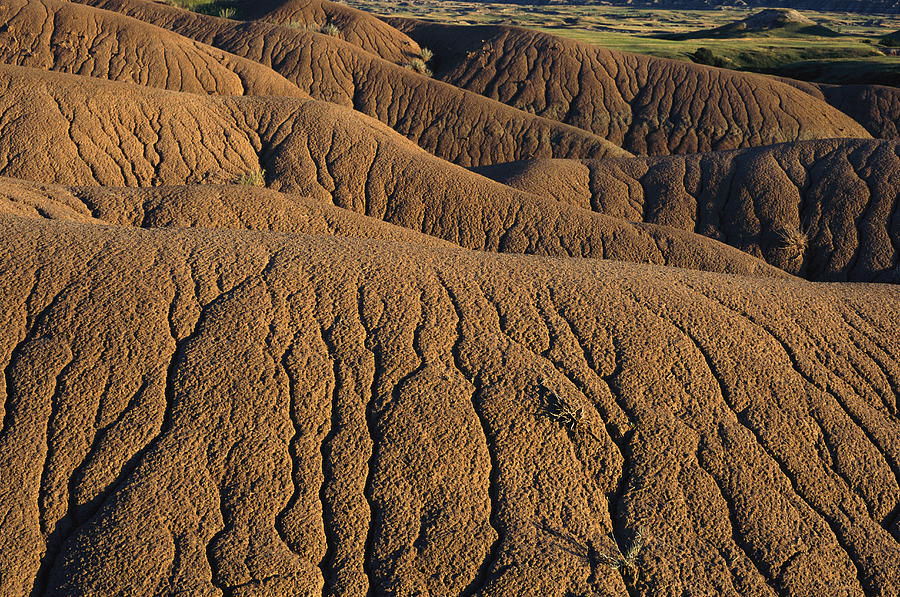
point(236, 207)
point(646, 105)
point(826, 210)
point(387, 374)
point(71, 38)
point(382, 423)
point(354, 26)
point(83, 131)
point(874, 106)
point(455, 125)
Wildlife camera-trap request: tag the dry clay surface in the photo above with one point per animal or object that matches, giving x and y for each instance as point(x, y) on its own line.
point(646, 105)
point(68, 37)
point(255, 413)
point(455, 125)
point(874, 106)
point(206, 206)
point(81, 131)
point(841, 194)
point(354, 26)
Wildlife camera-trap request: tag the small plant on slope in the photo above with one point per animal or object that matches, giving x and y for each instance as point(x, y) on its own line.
point(624, 561)
point(331, 29)
point(793, 242)
point(566, 415)
point(418, 65)
point(255, 178)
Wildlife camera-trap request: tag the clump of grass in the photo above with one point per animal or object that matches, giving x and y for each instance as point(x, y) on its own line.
point(567, 415)
point(426, 55)
point(793, 242)
point(563, 413)
point(254, 178)
point(418, 65)
point(624, 561)
point(327, 29)
point(226, 9)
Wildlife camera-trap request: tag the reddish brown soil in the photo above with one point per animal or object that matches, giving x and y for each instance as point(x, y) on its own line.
point(646, 105)
point(67, 37)
point(354, 26)
point(841, 194)
point(349, 383)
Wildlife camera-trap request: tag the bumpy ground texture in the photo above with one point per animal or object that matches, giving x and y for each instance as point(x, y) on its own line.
point(264, 333)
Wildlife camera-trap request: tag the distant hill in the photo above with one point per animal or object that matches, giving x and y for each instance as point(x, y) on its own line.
point(781, 22)
point(891, 39)
point(854, 6)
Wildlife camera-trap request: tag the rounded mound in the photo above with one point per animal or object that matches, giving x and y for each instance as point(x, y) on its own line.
point(646, 105)
point(837, 197)
point(287, 413)
point(354, 26)
point(320, 150)
point(71, 38)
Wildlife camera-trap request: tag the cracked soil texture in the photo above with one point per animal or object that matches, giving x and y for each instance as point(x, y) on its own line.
point(264, 334)
point(840, 194)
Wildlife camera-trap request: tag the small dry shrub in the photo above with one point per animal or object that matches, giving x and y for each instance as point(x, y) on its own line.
point(418, 65)
point(628, 560)
point(254, 178)
point(793, 242)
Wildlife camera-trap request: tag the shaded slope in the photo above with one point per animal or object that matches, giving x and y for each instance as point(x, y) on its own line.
point(842, 194)
point(355, 26)
point(207, 206)
point(455, 125)
point(751, 428)
point(875, 107)
point(83, 131)
point(646, 105)
point(67, 37)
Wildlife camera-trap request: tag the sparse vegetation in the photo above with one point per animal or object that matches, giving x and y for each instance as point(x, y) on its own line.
point(628, 560)
point(254, 178)
point(418, 65)
point(226, 9)
point(327, 29)
point(426, 55)
point(793, 242)
point(567, 415)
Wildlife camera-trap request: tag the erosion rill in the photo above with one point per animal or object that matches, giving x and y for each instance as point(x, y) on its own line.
point(284, 316)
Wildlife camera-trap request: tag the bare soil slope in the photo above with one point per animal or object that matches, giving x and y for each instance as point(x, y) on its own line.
point(285, 413)
point(83, 131)
point(355, 26)
point(646, 105)
point(206, 206)
point(874, 106)
point(458, 126)
point(71, 38)
point(839, 197)
point(386, 374)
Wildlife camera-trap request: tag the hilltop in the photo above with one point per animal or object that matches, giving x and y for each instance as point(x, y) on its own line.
point(781, 22)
